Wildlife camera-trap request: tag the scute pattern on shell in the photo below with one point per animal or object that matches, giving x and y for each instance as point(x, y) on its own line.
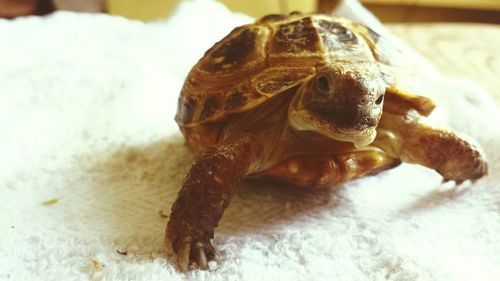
point(295, 37)
point(232, 53)
point(258, 61)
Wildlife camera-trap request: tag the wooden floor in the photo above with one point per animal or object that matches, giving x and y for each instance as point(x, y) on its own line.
point(487, 11)
point(469, 51)
point(409, 13)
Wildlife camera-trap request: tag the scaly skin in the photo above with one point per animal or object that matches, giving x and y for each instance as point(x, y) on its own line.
point(452, 156)
point(207, 190)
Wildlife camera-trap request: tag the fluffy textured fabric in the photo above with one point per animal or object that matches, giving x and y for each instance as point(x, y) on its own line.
point(86, 117)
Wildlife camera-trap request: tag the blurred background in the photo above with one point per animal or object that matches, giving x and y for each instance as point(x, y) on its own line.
point(386, 10)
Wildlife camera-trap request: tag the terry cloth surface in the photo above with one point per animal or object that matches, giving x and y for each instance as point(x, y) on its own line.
point(86, 117)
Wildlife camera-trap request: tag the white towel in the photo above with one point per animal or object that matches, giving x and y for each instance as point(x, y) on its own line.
point(86, 117)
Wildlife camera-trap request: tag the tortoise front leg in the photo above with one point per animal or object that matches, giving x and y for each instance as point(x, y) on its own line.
point(206, 192)
point(450, 155)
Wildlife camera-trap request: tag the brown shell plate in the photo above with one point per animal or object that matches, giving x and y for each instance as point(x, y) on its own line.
point(258, 61)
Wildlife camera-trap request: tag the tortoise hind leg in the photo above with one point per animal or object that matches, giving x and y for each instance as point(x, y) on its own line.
point(323, 171)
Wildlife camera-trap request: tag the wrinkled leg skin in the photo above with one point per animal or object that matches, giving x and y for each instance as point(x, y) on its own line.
point(209, 186)
point(453, 156)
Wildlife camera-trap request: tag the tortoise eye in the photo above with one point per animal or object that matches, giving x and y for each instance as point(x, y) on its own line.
point(323, 84)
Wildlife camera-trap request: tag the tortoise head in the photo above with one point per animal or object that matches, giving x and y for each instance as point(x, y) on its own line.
point(342, 101)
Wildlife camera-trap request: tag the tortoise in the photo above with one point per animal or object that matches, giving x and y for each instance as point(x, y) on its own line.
point(307, 99)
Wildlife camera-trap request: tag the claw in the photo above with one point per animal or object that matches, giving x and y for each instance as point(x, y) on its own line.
point(201, 256)
point(210, 252)
point(183, 255)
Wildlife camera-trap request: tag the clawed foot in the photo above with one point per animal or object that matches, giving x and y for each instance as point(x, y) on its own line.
point(191, 251)
point(459, 172)
point(457, 182)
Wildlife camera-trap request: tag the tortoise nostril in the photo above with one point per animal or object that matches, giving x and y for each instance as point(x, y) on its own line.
point(379, 100)
point(323, 84)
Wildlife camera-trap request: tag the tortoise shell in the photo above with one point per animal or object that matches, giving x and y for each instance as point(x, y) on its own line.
point(258, 61)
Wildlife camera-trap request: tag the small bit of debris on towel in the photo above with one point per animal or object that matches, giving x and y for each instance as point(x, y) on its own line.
point(50, 202)
point(97, 265)
point(122, 252)
point(162, 214)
